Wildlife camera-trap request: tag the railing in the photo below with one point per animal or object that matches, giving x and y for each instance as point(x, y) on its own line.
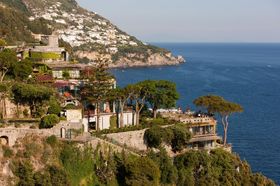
point(203, 134)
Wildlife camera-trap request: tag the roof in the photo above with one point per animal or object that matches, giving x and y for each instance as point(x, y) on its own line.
point(64, 83)
point(44, 78)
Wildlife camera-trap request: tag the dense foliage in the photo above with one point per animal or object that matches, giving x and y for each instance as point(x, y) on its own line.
point(8, 59)
point(160, 94)
point(15, 25)
point(62, 163)
point(49, 121)
point(54, 106)
point(177, 136)
point(31, 94)
point(11, 68)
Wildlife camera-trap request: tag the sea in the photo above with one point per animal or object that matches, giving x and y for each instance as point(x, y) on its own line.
point(248, 74)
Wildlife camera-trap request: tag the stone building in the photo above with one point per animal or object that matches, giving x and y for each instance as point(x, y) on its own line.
point(48, 52)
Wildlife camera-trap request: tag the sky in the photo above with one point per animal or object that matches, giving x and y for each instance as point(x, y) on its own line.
point(193, 20)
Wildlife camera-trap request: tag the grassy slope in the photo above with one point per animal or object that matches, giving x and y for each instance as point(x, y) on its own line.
point(15, 25)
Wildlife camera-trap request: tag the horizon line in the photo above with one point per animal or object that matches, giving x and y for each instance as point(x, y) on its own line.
point(214, 42)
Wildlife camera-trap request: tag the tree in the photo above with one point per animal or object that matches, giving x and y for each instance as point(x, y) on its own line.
point(224, 108)
point(105, 167)
point(22, 70)
point(181, 137)
point(139, 94)
point(153, 136)
point(58, 176)
point(42, 178)
point(177, 136)
point(49, 121)
point(121, 95)
point(161, 94)
point(97, 89)
point(32, 94)
point(54, 107)
point(4, 93)
point(168, 171)
point(25, 173)
point(7, 60)
point(142, 171)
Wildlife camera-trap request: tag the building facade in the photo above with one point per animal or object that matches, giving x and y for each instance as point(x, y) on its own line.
point(202, 127)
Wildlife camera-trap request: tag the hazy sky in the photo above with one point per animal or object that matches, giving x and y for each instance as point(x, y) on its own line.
point(193, 20)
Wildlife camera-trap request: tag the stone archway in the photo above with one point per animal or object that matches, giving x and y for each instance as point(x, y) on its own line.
point(4, 140)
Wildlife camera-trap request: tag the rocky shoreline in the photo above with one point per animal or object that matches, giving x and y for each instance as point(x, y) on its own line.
point(152, 61)
point(156, 59)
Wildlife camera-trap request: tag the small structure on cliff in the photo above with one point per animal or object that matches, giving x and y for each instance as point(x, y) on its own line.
point(203, 128)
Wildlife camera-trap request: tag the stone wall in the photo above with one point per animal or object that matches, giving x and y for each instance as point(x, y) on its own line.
point(13, 134)
point(133, 139)
point(12, 110)
point(74, 115)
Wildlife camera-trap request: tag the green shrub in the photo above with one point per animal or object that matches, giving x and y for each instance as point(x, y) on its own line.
point(24, 171)
point(181, 136)
point(148, 122)
point(7, 152)
point(2, 42)
point(54, 107)
point(25, 112)
point(73, 159)
point(52, 140)
point(70, 107)
point(45, 55)
point(142, 171)
point(62, 118)
point(66, 74)
point(113, 122)
point(49, 121)
point(31, 149)
point(157, 121)
point(153, 137)
point(177, 136)
point(58, 176)
point(42, 178)
point(169, 173)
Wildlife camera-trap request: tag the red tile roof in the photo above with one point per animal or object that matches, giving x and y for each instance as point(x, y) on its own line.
point(44, 78)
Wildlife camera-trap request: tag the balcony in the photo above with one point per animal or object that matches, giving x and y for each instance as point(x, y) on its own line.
point(202, 138)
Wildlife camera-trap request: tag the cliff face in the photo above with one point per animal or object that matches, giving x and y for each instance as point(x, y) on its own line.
point(155, 59)
point(88, 33)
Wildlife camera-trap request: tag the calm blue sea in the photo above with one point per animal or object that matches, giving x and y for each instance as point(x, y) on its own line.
point(248, 74)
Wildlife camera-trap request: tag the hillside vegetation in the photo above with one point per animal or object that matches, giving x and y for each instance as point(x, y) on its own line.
point(15, 26)
point(47, 161)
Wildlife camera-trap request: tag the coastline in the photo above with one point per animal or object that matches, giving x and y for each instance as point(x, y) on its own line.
point(153, 61)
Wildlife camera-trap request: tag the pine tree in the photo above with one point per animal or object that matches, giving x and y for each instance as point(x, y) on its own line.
point(97, 90)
